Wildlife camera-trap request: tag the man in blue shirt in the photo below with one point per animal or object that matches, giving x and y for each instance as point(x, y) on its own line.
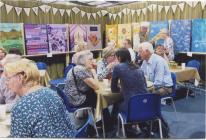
point(155, 69)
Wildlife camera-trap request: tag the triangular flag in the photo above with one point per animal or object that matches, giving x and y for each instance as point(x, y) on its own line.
point(120, 14)
point(174, 7)
point(83, 13)
point(61, 11)
point(144, 10)
point(88, 15)
point(68, 12)
point(182, 5)
point(104, 12)
point(94, 15)
point(160, 8)
point(124, 11)
point(154, 6)
point(43, 8)
point(99, 13)
point(47, 8)
point(76, 10)
point(27, 11)
point(167, 9)
point(133, 11)
point(195, 3)
point(150, 8)
point(18, 10)
point(203, 3)
point(190, 3)
point(35, 9)
point(8, 8)
point(1, 4)
point(114, 16)
point(54, 10)
point(128, 10)
point(138, 12)
point(110, 15)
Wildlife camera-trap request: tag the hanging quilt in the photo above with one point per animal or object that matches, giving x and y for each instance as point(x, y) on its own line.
point(111, 33)
point(124, 32)
point(12, 36)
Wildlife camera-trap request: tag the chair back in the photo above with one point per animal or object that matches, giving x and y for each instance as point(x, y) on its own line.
point(82, 132)
point(193, 63)
point(67, 68)
point(65, 100)
point(41, 65)
point(144, 107)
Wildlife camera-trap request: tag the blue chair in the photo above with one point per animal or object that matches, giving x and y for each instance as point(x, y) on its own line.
point(82, 132)
point(173, 94)
point(141, 108)
point(195, 64)
point(41, 65)
point(75, 110)
point(56, 82)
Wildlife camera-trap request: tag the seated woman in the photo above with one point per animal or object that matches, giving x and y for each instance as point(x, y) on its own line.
point(39, 112)
point(105, 66)
point(132, 80)
point(81, 82)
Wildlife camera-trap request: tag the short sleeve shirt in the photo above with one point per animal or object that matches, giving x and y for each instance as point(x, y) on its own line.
point(81, 73)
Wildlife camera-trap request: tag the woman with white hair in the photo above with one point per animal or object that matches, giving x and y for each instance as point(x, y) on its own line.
point(7, 96)
point(40, 112)
point(81, 82)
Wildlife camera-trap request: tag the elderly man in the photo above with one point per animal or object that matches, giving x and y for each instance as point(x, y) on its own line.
point(128, 45)
point(6, 96)
point(156, 69)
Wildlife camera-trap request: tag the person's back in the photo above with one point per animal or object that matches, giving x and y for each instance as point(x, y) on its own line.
point(41, 114)
point(132, 80)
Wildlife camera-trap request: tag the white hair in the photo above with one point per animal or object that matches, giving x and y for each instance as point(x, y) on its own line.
point(83, 56)
point(146, 46)
point(10, 58)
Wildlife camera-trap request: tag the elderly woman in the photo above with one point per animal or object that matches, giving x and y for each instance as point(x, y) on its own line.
point(81, 82)
point(40, 112)
point(78, 48)
point(105, 66)
point(7, 96)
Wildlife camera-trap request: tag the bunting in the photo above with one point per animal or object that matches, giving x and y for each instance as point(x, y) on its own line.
point(1, 4)
point(120, 14)
point(114, 16)
point(88, 15)
point(133, 11)
point(54, 10)
point(75, 10)
point(182, 5)
point(43, 8)
point(68, 12)
point(174, 7)
point(83, 13)
point(160, 8)
point(8, 8)
point(167, 9)
point(144, 10)
point(94, 15)
point(104, 12)
point(150, 7)
point(18, 10)
point(138, 12)
point(27, 11)
point(47, 8)
point(35, 9)
point(62, 11)
point(99, 13)
point(203, 3)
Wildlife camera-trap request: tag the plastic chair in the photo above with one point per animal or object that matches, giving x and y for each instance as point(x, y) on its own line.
point(173, 94)
point(56, 82)
point(74, 110)
point(141, 108)
point(195, 64)
point(41, 65)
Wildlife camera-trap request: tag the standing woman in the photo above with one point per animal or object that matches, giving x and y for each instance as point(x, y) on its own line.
point(40, 112)
point(132, 80)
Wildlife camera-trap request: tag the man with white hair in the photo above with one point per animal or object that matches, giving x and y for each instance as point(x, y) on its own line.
point(6, 96)
point(168, 43)
point(155, 69)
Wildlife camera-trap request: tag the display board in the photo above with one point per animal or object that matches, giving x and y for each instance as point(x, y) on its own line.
point(78, 34)
point(180, 32)
point(144, 31)
point(124, 32)
point(135, 32)
point(36, 39)
point(94, 37)
point(58, 38)
point(199, 35)
point(12, 36)
point(111, 33)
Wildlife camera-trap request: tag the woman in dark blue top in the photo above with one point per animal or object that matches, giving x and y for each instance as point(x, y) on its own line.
point(132, 80)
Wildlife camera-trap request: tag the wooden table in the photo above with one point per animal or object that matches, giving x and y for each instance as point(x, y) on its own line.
point(44, 78)
point(186, 74)
point(5, 126)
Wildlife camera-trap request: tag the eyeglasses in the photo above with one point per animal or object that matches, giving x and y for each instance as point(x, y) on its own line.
point(9, 78)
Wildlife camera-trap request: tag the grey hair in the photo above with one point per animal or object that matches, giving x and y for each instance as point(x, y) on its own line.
point(146, 46)
point(83, 56)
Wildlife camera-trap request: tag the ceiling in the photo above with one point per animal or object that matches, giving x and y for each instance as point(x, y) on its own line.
point(97, 3)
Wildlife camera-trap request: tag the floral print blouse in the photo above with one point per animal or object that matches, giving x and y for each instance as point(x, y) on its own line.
point(41, 114)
